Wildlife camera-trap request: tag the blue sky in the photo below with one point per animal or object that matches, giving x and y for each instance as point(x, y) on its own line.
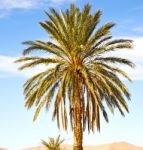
point(19, 22)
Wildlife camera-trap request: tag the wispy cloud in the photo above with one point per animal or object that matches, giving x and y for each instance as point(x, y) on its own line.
point(13, 4)
point(138, 29)
point(6, 6)
point(136, 56)
point(8, 68)
point(26, 4)
point(137, 8)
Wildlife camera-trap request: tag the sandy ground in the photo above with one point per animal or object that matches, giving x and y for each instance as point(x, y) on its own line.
point(112, 146)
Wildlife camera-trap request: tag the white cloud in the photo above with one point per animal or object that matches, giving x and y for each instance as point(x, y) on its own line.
point(25, 4)
point(138, 29)
point(6, 6)
point(136, 56)
point(8, 68)
point(12, 4)
point(137, 8)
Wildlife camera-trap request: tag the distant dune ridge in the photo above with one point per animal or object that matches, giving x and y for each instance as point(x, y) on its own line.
point(3, 148)
point(112, 146)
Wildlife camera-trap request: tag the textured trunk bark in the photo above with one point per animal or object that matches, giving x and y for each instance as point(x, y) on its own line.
point(78, 131)
point(78, 136)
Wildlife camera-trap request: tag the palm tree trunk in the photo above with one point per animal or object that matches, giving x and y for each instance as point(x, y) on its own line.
point(78, 135)
point(78, 131)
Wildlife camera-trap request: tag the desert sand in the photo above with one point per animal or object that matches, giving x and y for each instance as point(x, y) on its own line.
point(112, 146)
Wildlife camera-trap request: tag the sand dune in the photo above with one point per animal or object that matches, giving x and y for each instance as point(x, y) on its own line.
point(3, 149)
point(112, 146)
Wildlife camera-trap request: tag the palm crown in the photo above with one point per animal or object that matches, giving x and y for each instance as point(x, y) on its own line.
point(53, 144)
point(81, 68)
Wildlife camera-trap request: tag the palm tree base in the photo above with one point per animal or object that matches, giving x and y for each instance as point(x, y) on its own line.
point(77, 148)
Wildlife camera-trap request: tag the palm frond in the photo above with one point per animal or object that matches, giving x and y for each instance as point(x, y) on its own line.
point(83, 78)
point(101, 32)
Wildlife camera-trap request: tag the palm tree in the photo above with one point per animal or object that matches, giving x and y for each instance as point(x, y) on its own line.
point(84, 77)
point(53, 144)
